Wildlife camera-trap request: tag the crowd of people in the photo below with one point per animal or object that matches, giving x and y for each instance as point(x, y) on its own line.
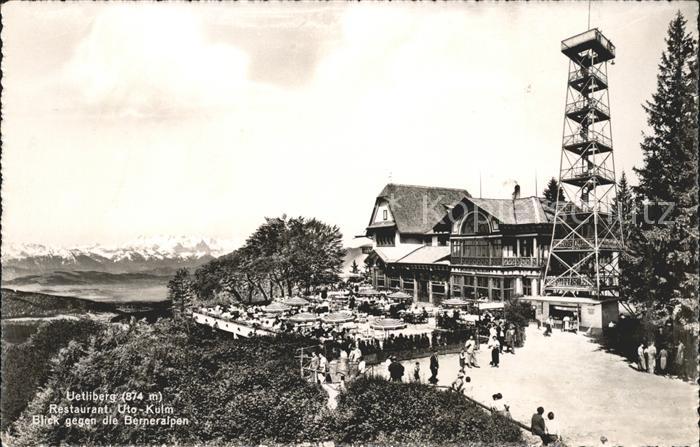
point(658, 360)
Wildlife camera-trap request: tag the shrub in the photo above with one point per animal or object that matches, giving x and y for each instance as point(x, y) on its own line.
point(245, 391)
point(377, 411)
point(26, 366)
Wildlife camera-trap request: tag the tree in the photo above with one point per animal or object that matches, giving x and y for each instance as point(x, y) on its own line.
point(281, 254)
point(662, 252)
point(624, 207)
point(552, 191)
point(354, 268)
point(180, 290)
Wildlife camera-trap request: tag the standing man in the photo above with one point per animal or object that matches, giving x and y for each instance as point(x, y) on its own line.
point(434, 366)
point(641, 360)
point(509, 339)
point(495, 347)
point(471, 355)
point(651, 358)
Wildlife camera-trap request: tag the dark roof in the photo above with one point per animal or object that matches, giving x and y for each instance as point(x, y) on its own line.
point(523, 211)
point(527, 210)
point(416, 209)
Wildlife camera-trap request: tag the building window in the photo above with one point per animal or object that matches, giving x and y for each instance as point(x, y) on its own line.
point(408, 285)
point(385, 214)
point(438, 287)
point(476, 223)
point(394, 283)
point(527, 287)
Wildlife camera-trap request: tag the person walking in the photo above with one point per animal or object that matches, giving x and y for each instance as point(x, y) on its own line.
point(434, 366)
point(416, 372)
point(663, 359)
point(471, 354)
point(343, 363)
point(641, 358)
point(324, 367)
point(314, 367)
point(495, 347)
point(651, 358)
point(501, 337)
point(679, 362)
point(462, 359)
point(509, 340)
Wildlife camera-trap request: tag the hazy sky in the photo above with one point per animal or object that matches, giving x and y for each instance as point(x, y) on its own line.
point(125, 119)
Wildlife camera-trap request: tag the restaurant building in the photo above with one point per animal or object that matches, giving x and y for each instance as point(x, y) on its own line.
point(498, 247)
point(408, 253)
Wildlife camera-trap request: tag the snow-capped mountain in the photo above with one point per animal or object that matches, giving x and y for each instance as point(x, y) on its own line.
point(157, 254)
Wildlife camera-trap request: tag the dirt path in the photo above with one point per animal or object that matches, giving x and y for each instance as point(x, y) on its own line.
point(591, 392)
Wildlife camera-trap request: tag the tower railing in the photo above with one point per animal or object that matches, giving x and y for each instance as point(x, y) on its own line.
point(580, 73)
point(588, 137)
point(587, 104)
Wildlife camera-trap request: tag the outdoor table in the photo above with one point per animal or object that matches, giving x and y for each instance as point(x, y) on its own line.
point(296, 302)
point(303, 317)
point(276, 308)
point(338, 317)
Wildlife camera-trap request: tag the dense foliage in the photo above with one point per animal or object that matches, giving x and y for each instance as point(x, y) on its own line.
point(661, 266)
point(376, 411)
point(282, 254)
point(243, 390)
point(26, 367)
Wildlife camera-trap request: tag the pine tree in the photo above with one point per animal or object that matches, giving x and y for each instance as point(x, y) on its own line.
point(180, 291)
point(550, 192)
point(663, 245)
point(624, 206)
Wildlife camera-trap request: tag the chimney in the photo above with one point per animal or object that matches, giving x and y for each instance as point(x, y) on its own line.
point(516, 192)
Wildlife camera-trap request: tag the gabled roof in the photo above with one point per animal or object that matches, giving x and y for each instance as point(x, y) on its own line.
point(416, 209)
point(523, 211)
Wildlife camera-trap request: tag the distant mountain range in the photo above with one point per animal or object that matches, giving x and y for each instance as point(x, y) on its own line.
point(160, 255)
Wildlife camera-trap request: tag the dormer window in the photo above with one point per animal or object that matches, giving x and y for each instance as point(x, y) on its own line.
point(385, 214)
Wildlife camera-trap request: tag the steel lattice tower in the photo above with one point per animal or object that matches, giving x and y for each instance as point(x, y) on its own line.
point(587, 237)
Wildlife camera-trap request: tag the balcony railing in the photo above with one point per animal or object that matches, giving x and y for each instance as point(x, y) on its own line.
point(582, 73)
point(587, 104)
point(498, 262)
point(583, 244)
point(568, 282)
point(523, 262)
point(587, 138)
point(586, 172)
